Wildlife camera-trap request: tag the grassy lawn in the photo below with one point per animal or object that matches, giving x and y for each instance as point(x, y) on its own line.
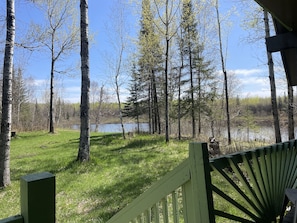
point(118, 172)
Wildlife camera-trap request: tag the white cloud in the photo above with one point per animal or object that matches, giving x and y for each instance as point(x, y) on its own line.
point(248, 72)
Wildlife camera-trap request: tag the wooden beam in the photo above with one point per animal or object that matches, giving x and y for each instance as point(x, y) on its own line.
point(283, 10)
point(281, 42)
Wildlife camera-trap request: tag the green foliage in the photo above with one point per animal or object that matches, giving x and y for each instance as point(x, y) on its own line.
point(118, 172)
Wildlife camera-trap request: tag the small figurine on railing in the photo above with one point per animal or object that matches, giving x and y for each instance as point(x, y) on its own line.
point(213, 147)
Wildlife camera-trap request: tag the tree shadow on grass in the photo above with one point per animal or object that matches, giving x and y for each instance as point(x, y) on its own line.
point(115, 197)
point(105, 139)
point(141, 143)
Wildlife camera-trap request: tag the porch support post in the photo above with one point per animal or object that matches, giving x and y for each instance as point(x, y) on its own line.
point(38, 198)
point(197, 192)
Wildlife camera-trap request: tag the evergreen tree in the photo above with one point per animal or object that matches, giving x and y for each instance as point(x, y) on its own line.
point(132, 106)
point(149, 63)
point(200, 72)
point(189, 44)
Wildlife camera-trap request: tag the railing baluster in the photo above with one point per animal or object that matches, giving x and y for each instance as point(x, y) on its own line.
point(269, 162)
point(253, 179)
point(263, 176)
point(175, 207)
point(292, 165)
point(259, 178)
point(156, 213)
point(165, 210)
point(245, 183)
point(148, 216)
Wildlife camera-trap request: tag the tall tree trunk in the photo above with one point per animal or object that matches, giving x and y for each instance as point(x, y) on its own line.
point(119, 107)
point(225, 74)
point(149, 103)
point(84, 142)
point(291, 121)
point(118, 71)
point(166, 76)
point(199, 102)
point(52, 111)
point(7, 96)
point(272, 84)
point(179, 102)
point(156, 105)
point(192, 94)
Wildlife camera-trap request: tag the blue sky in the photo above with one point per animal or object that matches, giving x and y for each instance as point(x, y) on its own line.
point(247, 61)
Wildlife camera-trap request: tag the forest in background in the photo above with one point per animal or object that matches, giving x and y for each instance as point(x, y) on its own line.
point(175, 71)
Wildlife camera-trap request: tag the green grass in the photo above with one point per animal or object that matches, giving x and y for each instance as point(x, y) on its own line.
point(118, 172)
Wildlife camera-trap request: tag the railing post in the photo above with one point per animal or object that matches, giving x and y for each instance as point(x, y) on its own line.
point(13, 219)
point(198, 193)
point(38, 198)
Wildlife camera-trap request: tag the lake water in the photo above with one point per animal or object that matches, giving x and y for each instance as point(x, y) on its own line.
point(116, 128)
point(261, 134)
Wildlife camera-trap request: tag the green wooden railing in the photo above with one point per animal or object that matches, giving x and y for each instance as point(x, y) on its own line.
point(38, 203)
point(254, 182)
point(176, 197)
point(242, 187)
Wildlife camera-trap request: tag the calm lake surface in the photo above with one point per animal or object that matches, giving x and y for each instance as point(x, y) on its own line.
point(262, 133)
point(116, 128)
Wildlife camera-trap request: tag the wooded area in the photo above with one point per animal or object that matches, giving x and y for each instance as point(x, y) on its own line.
point(175, 71)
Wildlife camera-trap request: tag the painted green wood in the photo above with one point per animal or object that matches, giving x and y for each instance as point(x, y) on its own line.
point(261, 171)
point(234, 203)
point(156, 213)
point(38, 198)
point(165, 210)
point(189, 211)
point(264, 173)
point(246, 185)
point(13, 219)
point(232, 217)
point(148, 215)
point(175, 207)
point(259, 177)
point(274, 166)
point(162, 188)
point(201, 183)
point(238, 190)
point(254, 182)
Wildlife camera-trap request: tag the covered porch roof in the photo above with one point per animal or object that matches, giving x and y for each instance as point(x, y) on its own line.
point(284, 13)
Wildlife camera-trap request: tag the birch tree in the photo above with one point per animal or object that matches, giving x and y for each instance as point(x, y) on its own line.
point(272, 84)
point(118, 31)
point(255, 23)
point(84, 140)
point(7, 96)
point(226, 92)
point(168, 30)
point(59, 37)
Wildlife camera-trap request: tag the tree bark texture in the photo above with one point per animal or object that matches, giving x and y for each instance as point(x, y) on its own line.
point(84, 143)
point(225, 75)
point(166, 75)
point(272, 84)
point(52, 110)
point(7, 96)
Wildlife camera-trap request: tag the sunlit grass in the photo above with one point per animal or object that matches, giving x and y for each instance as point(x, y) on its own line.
point(118, 172)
